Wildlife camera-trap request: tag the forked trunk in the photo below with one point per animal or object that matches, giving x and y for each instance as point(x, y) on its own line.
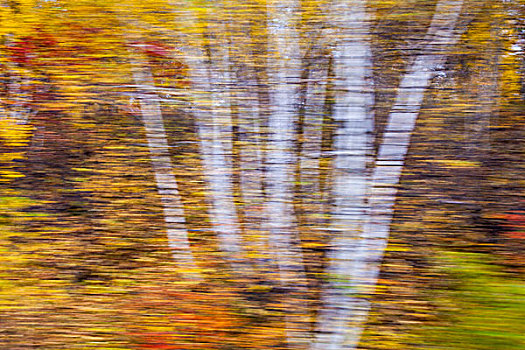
point(364, 261)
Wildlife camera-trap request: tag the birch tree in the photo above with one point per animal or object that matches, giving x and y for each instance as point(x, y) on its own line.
point(356, 258)
point(211, 111)
point(284, 67)
point(247, 127)
point(352, 146)
point(162, 166)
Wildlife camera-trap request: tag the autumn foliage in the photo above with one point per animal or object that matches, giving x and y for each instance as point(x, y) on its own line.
point(85, 258)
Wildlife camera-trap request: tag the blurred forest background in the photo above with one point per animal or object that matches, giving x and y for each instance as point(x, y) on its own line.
point(262, 174)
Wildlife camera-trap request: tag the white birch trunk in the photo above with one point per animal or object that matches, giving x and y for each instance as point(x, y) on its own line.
point(211, 111)
point(284, 68)
point(396, 140)
point(214, 128)
point(164, 177)
point(365, 260)
point(353, 147)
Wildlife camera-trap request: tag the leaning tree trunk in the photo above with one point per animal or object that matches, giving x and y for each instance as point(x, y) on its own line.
point(164, 177)
point(365, 261)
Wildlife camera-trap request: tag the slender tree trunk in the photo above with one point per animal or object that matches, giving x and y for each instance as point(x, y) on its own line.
point(215, 135)
point(396, 139)
point(364, 261)
point(353, 147)
point(284, 75)
point(218, 174)
point(210, 80)
point(248, 143)
point(280, 160)
point(165, 179)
